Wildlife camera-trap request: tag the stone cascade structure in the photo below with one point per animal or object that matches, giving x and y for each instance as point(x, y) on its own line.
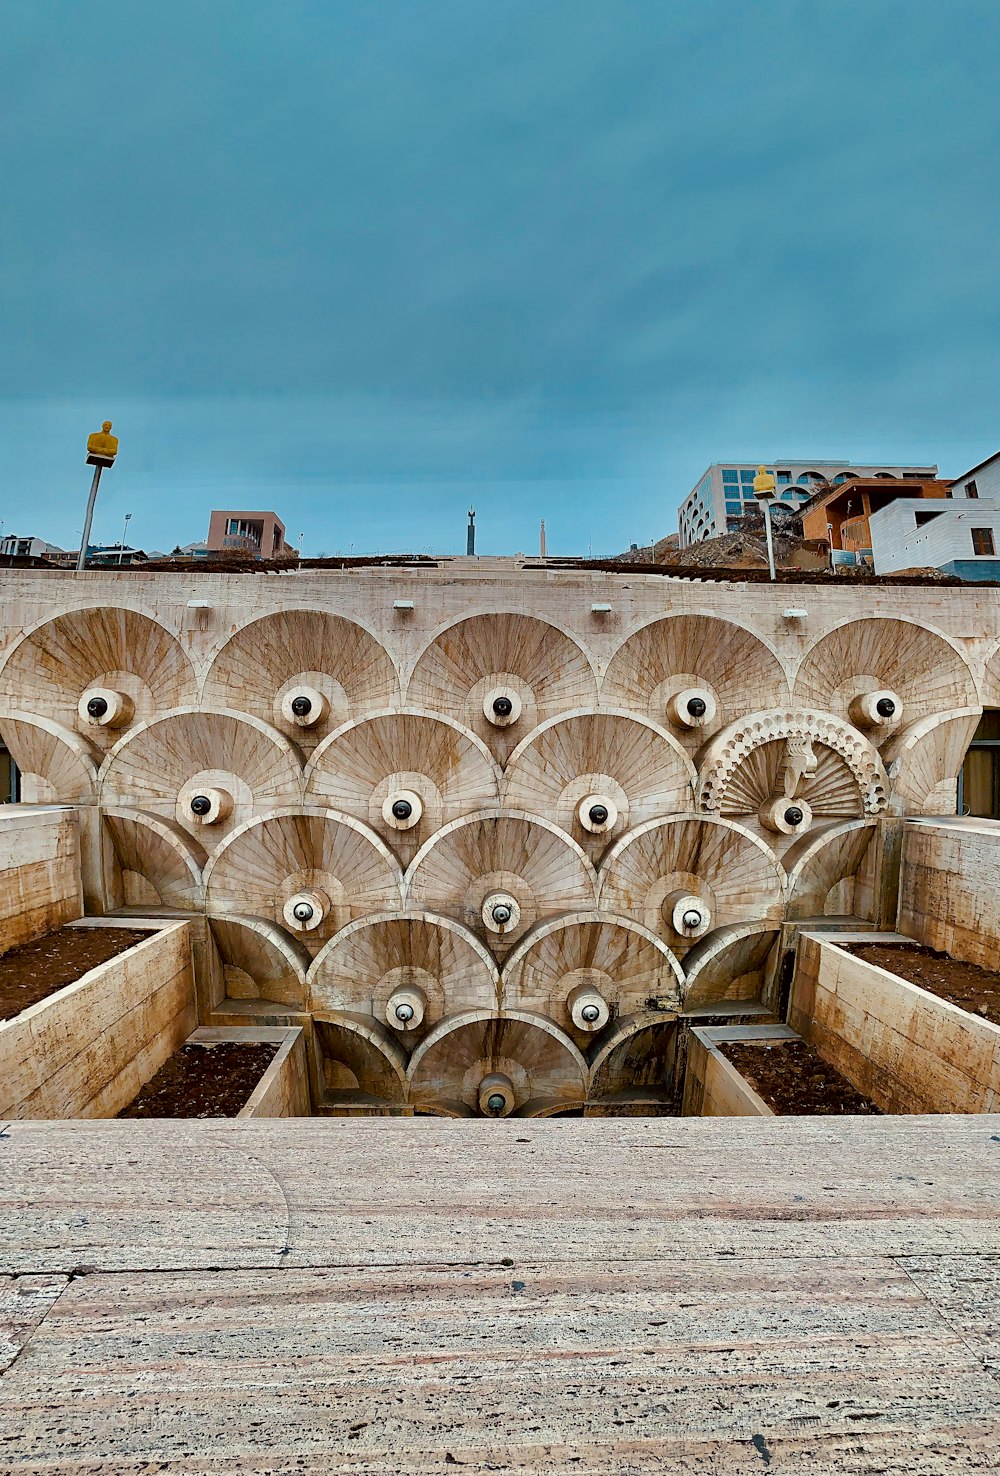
point(492, 834)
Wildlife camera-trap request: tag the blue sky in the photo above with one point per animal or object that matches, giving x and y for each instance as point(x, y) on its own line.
point(368, 262)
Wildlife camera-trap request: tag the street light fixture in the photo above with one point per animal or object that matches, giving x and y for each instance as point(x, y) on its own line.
point(121, 551)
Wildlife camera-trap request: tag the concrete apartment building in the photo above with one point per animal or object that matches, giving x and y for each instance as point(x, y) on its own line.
point(959, 537)
point(841, 515)
point(725, 490)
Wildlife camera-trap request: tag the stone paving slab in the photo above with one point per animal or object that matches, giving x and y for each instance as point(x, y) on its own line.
point(416, 1296)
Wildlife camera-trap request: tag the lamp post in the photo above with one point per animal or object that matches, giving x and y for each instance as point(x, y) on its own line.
point(121, 551)
point(102, 448)
point(764, 491)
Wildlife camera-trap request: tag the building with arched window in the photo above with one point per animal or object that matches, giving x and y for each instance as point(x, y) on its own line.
point(724, 492)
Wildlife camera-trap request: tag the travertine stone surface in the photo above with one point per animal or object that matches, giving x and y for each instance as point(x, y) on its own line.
point(809, 1296)
point(713, 1086)
point(39, 872)
point(87, 1049)
point(949, 895)
point(601, 776)
point(905, 1048)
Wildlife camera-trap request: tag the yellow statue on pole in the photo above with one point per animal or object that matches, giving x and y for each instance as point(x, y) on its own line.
point(102, 447)
point(763, 483)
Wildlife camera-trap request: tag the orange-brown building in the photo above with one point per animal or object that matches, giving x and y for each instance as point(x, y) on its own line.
point(840, 515)
point(259, 533)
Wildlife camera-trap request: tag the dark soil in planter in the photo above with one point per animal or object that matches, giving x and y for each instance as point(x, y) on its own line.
point(33, 971)
point(964, 984)
point(204, 1081)
point(792, 1079)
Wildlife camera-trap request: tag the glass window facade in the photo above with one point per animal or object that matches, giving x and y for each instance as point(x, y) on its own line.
point(730, 474)
point(735, 508)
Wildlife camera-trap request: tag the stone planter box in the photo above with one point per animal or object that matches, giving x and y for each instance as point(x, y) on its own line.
point(87, 1049)
point(949, 887)
point(283, 1090)
point(906, 1049)
point(713, 1087)
point(39, 872)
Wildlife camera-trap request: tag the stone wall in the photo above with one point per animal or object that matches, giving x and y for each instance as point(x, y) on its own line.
point(904, 1048)
point(949, 894)
point(87, 1049)
point(39, 872)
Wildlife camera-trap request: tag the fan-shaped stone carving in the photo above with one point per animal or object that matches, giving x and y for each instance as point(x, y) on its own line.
point(160, 866)
point(361, 1069)
point(500, 855)
point(281, 653)
point(373, 962)
point(56, 765)
point(925, 759)
point(926, 673)
point(259, 868)
point(730, 964)
point(731, 870)
point(632, 1070)
point(700, 653)
point(166, 765)
point(628, 966)
point(368, 764)
point(830, 873)
point(48, 671)
point(507, 659)
point(260, 961)
point(573, 762)
point(744, 764)
point(541, 1066)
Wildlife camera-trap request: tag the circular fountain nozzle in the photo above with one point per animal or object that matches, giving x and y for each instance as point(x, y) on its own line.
point(501, 912)
point(402, 809)
point(597, 813)
point(405, 1008)
point(786, 817)
point(876, 709)
point(100, 707)
point(694, 707)
point(303, 706)
point(403, 1013)
point(496, 1095)
point(501, 707)
point(689, 915)
point(588, 1008)
point(305, 911)
point(204, 804)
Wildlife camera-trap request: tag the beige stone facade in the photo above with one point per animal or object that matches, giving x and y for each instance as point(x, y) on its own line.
point(490, 833)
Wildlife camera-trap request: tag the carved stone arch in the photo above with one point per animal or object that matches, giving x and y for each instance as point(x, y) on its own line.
point(58, 659)
point(370, 961)
point(160, 766)
point(626, 963)
point(735, 773)
point(632, 765)
point(543, 1066)
point(360, 768)
point(334, 860)
point(675, 653)
point(831, 873)
point(156, 863)
point(275, 655)
point(361, 1069)
point(56, 765)
point(729, 964)
point(260, 960)
point(632, 1070)
point(500, 854)
point(730, 872)
point(922, 666)
point(519, 658)
point(925, 760)
point(991, 676)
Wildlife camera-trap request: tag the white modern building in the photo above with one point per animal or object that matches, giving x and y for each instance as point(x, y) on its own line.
point(725, 490)
point(959, 535)
point(17, 547)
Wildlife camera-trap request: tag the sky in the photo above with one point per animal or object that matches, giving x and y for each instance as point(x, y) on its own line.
point(372, 262)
